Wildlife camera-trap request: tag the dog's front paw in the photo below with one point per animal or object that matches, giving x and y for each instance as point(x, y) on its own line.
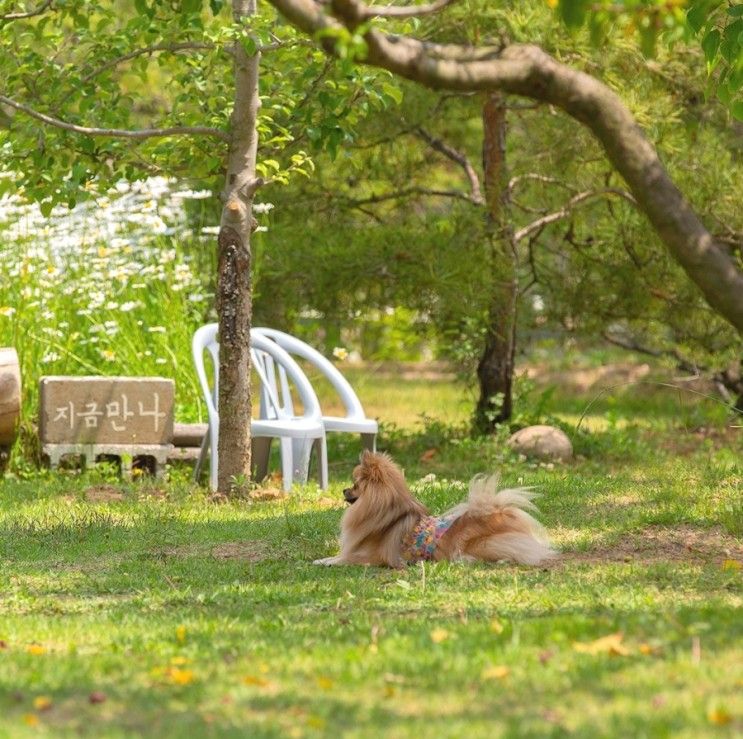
point(327, 561)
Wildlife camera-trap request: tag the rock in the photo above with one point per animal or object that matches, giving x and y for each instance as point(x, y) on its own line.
point(544, 442)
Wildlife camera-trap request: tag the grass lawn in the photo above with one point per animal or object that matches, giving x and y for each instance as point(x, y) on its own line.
point(145, 609)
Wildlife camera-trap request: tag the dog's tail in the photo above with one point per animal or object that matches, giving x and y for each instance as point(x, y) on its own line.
point(513, 533)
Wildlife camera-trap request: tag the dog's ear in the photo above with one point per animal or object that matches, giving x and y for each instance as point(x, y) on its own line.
point(366, 457)
point(377, 467)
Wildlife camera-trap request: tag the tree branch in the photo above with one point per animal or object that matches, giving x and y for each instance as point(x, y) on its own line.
point(144, 133)
point(528, 71)
point(27, 14)
point(458, 157)
point(568, 208)
point(515, 181)
point(410, 192)
point(631, 344)
point(405, 11)
point(174, 48)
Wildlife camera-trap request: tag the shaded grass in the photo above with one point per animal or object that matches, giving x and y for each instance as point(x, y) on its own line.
point(193, 618)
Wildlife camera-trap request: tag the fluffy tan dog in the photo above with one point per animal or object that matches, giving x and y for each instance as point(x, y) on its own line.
point(386, 525)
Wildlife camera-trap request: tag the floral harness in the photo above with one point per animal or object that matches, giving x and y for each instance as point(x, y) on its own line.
point(420, 544)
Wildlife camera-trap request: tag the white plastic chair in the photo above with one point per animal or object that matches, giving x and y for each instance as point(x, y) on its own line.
point(355, 420)
point(299, 435)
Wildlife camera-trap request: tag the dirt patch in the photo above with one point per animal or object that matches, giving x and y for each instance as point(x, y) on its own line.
point(582, 380)
point(684, 444)
point(248, 551)
point(103, 494)
point(657, 545)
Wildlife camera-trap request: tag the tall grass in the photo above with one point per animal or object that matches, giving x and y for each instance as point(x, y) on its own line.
point(113, 289)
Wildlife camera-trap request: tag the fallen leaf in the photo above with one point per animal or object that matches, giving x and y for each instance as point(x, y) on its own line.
point(253, 680)
point(3, 644)
point(30, 719)
point(316, 722)
point(439, 635)
point(179, 661)
point(42, 703)
point(495, 672)
point(732, 564)
point(719, 716)
point(611, 645)
point(263, 494)
point(325, 683)
point(97, 697)
point(36, 649)
point(180, 677)
point(389, 691)
point(180, 634)
point(428, 455)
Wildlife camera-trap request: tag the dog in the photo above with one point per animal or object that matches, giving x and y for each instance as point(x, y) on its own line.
point(386, 526)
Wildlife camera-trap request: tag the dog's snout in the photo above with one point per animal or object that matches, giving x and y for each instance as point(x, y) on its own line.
point(348, 495)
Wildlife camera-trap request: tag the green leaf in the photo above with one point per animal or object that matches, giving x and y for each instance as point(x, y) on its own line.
point(737, 110)
point(648, 37)
point(142, 8)
point(191, 6)
point(731, 44)
point(736, 11)
point(46, 208)
point(216, 6)
point(696, 16)
point(710, 45)
point(249, 45)
point(573, 12)
point(392, 91)
point(723, 93)
point(597, 29)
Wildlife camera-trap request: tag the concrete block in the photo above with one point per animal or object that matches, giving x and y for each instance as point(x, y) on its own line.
point(106, 410)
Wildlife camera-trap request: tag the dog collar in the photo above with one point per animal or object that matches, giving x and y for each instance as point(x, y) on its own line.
point(420, 543)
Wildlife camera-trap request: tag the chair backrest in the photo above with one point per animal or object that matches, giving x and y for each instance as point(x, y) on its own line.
point(275, 369)
point(296, 346)
point(205, 339)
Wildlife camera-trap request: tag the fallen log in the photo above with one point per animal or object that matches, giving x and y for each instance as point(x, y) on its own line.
point(188, 434)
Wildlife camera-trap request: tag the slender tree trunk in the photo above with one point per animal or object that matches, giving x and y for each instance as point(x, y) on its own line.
point(495, 368)
point(234, 289)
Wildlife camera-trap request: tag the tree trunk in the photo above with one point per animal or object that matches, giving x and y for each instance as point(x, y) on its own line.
point(495, 368)
point(234, 290)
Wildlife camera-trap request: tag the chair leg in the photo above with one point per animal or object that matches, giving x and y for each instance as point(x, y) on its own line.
point(301, 451)
point(261, 454)
point(287, 467)
point(321, 450)
point(369, 441)
point(213, 457)
point(202, 457)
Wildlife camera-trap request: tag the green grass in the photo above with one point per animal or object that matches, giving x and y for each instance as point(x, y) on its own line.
point(200, 619)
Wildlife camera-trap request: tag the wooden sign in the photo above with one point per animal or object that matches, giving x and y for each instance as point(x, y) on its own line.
point(106, 410)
